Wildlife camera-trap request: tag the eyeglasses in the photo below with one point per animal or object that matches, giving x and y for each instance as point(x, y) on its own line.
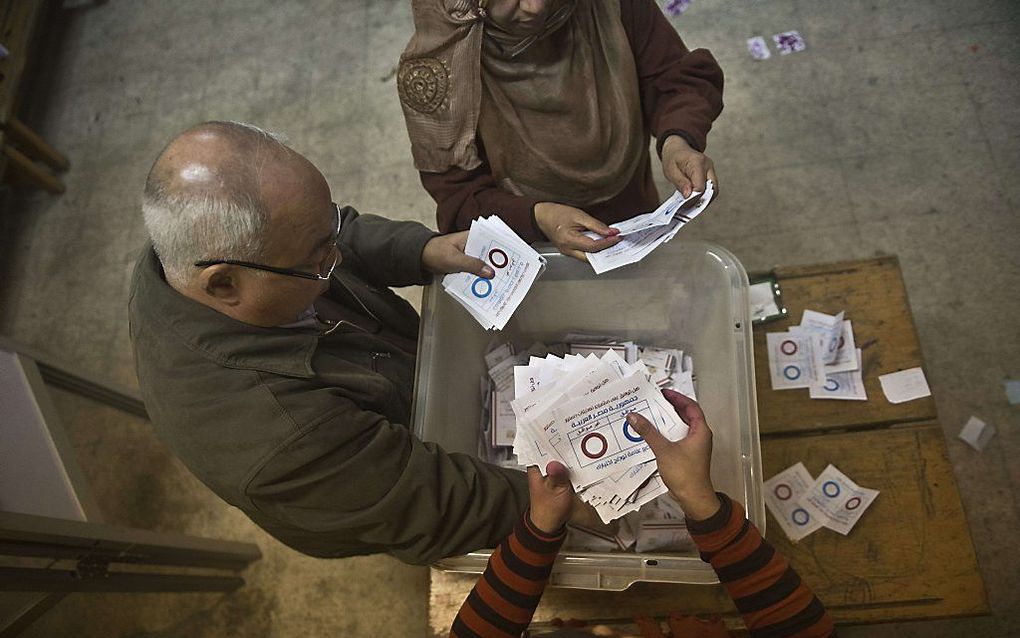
point(327, 265)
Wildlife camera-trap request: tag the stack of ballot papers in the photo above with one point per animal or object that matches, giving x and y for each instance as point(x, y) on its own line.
point(493, 301)
point(820, 355)
point(802, 504)
point(667, 368)
point(644, 233)
point(573, 409)
point(583, 367)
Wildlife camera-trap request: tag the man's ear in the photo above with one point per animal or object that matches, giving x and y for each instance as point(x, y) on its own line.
point(222, 283)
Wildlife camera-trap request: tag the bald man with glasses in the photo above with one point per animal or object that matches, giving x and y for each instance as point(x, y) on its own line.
point(279, 366)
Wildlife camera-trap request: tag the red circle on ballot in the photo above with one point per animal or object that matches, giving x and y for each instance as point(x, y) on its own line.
point(853, 503)
point(502, 255)
point(788, 347)
point(587, 439)
point(783, 492)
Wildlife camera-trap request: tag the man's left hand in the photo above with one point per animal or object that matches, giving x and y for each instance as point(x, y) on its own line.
point(685, 167)
point(445, 254)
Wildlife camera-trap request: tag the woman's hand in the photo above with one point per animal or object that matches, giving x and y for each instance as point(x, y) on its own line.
point(685, 465)
point(552, 497)
point(565, 226)
point(686, 168)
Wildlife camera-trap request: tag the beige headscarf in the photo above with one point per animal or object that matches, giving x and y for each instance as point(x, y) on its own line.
point(560, 117)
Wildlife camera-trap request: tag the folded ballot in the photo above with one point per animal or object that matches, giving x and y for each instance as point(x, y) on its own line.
point(820, 354)
point(493, 301)
point(644, 233)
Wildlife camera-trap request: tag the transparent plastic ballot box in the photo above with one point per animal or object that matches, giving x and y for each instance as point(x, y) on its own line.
point(691, 295)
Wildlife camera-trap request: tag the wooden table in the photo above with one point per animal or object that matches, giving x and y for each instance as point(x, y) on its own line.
point(910, 556)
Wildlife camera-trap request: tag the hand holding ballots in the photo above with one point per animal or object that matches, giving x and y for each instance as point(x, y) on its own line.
point(644, 233)
point(516, 264)
point(573, 409)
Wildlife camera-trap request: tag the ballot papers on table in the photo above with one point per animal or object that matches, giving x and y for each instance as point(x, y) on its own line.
point(820, 354)
point(644, 233)
point(516, 264)
point(803, 504)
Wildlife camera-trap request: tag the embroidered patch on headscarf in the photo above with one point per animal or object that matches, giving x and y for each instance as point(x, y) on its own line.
point(423, 84)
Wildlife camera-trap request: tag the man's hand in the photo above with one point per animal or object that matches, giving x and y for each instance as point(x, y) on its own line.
point(565, 226)
point(685, 465)
point(445, 254)
point(685, 167)
point(552, 497)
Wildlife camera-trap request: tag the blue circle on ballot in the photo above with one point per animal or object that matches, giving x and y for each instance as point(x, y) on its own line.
point(800, 516)
point(488, 288)
point(791, 372)
point(832, 385)
point(830, 489)
point(630, 434)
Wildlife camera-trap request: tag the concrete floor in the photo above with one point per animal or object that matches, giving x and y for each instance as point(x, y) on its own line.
point(896, 131)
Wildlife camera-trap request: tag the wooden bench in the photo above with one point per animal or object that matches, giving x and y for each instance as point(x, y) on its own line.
point(910, 557)
point(21, 149)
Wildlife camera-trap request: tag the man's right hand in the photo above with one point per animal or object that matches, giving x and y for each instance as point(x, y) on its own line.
point(685, 465)
point(565, 226)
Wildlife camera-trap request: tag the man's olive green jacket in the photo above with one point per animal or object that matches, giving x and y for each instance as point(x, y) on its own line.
point(309, 435)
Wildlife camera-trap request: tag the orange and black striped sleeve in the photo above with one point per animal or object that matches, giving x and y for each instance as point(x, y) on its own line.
point(504, 599)
point(767, 591)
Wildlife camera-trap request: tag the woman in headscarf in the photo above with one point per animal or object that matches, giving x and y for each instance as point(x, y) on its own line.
point(540, 112)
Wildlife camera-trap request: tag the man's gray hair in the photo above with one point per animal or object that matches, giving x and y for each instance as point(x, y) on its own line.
point(216, 211)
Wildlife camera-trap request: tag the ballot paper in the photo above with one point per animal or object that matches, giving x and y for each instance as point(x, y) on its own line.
point(842, 385)
point(676, 7)
point(599, 349)
point(662, 363)
point(661, 526)
point(782, 496)
point(758, 48)
point(847, 353)
point(502, 373)
point(1012, 387)
point(795, 360)
point(789, 42)
point(660, 217)
point(618, 488)
point(829, 327)
point(905, 385)
point(493, 301)
point(644, 233)
point(503, 425)
point(498, 354)
point(976, 433)
point(593, 438)
point(836, 500)
point(819, 354)
point(762, 298)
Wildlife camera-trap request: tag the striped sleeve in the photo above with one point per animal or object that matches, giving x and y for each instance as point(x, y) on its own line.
point(505, 597)
point(767, 591)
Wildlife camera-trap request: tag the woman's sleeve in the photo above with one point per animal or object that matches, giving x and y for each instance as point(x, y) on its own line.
point(766, 590)
point(681, 90)
point(462, 196)
point(503, 601)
